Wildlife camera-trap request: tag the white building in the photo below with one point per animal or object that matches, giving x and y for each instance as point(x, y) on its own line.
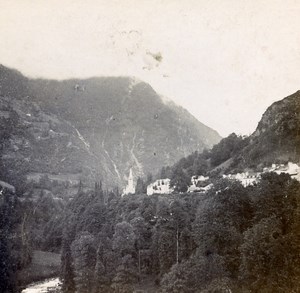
point(245, 178)
point(291, 168)
point(248, 178)
point(130, 187)
point(196, 179)
point(199, 184)
point(160, 186)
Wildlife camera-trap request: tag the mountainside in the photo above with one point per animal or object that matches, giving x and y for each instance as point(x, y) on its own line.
point(277, 135)
point(275, 140)
point(93, 129)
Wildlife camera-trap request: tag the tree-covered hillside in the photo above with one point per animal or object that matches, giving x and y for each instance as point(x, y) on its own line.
point(221, 158)
point(242, 239)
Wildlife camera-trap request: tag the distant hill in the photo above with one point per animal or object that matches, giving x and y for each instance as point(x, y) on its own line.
point(93, 129)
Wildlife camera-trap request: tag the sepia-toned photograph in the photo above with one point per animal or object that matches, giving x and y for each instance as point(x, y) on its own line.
point(149, 146)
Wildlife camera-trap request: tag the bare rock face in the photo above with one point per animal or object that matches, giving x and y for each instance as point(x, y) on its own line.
point(93, 129)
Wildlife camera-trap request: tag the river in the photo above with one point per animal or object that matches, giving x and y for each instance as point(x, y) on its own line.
point(49, 285)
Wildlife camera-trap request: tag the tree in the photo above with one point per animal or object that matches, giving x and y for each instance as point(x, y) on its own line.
point(7, 283)
point(93, 217)
point(276, 195)
point(270, 248)
point(220, 221)
point(101, 280)
point(124, 239)
point(226, 148)
point(166, 249)
point(99, 192)
point(179, 220)
point(187, 244)
point(126, 275)
point(199, 166)
point(67, 270)
point(194, 274)
point(7, 280)
point(180, 180)
point(270, 259)
point(143, 238)
point(165, 172)
point(141, 187)
point(84, 256)
point(148, 209)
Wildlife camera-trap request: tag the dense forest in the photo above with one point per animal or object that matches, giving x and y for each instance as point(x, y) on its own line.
point(230, 238)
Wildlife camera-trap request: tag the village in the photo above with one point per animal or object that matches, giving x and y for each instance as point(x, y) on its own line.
point(201, 184)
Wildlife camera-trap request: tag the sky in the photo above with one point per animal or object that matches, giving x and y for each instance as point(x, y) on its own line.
point(225, 61)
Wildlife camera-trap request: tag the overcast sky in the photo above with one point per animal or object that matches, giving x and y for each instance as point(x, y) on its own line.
point(223, 60)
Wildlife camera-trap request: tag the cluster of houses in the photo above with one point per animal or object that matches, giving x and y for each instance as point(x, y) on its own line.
point(201, 183)
point(246, 178)
point(163, 186)
point(291, 168)
point(250, 178)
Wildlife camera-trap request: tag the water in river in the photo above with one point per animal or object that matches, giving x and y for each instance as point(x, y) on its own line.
point(50, 285)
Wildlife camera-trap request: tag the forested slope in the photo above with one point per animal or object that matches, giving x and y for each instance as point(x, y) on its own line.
point(237, 238)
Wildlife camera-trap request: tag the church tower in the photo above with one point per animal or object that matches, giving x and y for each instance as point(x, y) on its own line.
point(130, 188)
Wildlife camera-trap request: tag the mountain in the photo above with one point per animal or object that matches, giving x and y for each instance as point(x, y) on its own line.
point(275, 140)
point(277, 136)
point(93, 129)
